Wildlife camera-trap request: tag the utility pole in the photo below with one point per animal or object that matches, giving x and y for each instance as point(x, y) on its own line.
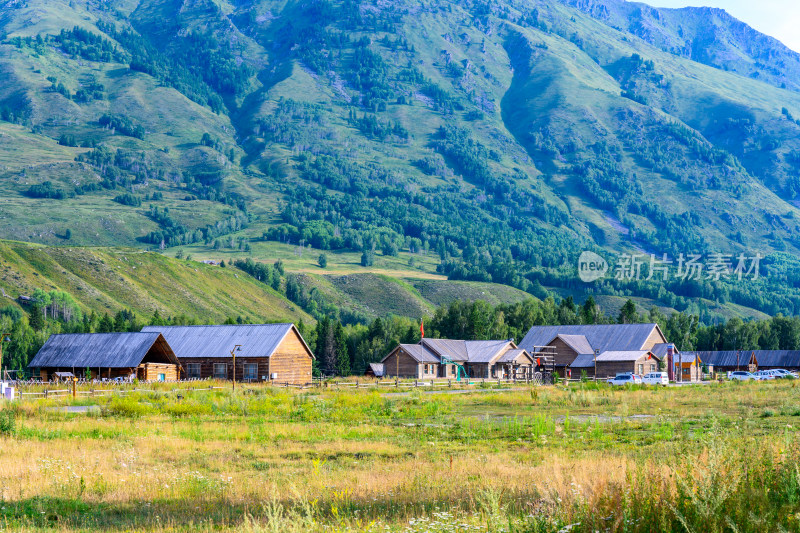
point(236, 348)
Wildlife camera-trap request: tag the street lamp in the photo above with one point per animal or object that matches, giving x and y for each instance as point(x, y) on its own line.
point(237, 348)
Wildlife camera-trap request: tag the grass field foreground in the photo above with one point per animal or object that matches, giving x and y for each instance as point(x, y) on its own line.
point(699, 458)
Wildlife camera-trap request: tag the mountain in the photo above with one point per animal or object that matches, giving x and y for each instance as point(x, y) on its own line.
point(502, 138)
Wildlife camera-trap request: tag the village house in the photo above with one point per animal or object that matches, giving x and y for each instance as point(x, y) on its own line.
point(264, 352)
point(751, 360)
point(447, 358)
point(143, 356)
point(604, 349)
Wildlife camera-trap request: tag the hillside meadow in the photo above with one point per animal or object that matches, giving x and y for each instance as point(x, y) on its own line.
point(720, 457)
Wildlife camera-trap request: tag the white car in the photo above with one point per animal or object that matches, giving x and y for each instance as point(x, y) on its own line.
point(764, 375)
point(741, 375)
point(656, 378)
point(782, 373)
point(625, 379)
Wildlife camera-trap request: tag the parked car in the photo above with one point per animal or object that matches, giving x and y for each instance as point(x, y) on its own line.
point(625, 379)
point(656, 378)
point(782, 373)
point(741, 375)
point(120, 379)
point(764, 375)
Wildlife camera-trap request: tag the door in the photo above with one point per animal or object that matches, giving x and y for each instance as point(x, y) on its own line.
point(162, 377)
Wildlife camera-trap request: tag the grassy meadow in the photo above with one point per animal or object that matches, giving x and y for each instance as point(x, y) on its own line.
point(721, 457)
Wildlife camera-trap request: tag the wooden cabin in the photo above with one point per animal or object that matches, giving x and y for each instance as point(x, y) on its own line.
point(264, 352)
point(730, 360)
point(144, 356)
point(440, 358)
point(611, 363)
point(575, 345)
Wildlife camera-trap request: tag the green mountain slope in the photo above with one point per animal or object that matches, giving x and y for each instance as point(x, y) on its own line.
point(501, 137)
point(107, 280)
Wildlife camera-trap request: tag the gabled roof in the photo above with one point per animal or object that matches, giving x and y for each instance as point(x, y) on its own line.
point(584, 360)
point(418, 353)
point(99, 350)
point(256, 340)
point(467, 351)
point(771, 358)
point(621, 355)
point(455, 350)
point(603, 337)
point(512, 355)
point(660, 349)
point(577, 343)
point(377, 369)
point(486, 351)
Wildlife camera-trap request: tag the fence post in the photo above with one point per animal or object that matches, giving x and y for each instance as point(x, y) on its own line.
point(397, 383)
point(45, 393)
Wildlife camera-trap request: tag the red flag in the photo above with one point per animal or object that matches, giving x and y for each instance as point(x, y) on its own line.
point(422, 328)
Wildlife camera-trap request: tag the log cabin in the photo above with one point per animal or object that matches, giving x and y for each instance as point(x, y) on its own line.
point(576, 347)
point(440, 358)
point(730, 360)
point(143, 356)
point(264, 352)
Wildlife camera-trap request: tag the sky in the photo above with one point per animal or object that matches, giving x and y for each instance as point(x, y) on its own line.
point(776, 18)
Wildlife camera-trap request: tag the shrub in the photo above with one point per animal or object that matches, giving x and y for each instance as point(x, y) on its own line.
point(7, 421)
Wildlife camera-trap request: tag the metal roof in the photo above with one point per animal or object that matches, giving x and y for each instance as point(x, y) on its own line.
point(417, 352)
point(512, 355)
point(454, 350)
point(377, 369)
point(577, 343)
point(619, 337)
point(485, 351)
point(660, 349)
point(584, 360)
point(768, 358)
point(99, 350)
point(621, 355)
point(256, 340)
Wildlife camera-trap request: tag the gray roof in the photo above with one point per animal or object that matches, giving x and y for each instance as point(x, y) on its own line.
point(512, 355)
point(433, 350)
point(764, 358)
point(577, 343)
point(256, 340)
point(620, 355)
point(604, 337)
point(419, 353)
point(98, 350)
point(584, 360)
point(485, 351)
point(660, 349)
point(453, 349)
point(377, 369)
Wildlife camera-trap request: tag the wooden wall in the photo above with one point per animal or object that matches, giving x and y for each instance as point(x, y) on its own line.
point(291, 361)
point(151, 371)
point(400, 361)
point(609, 369)
point(654, 338)
point(564, 354)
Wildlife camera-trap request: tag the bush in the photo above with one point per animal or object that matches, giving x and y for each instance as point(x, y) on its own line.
point(8, 421)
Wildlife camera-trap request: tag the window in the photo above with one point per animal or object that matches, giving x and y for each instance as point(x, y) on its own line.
point(162, 377)
point(641, 369)
point(220, 371)
point(251, 371)
point(652, 367)
point(193, 370)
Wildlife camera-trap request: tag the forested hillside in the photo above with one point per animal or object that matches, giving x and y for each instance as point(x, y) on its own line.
point(501, 138)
